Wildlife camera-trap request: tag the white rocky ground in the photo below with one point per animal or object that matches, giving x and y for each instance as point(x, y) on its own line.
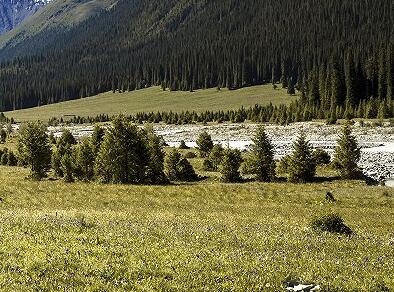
point(377, 143)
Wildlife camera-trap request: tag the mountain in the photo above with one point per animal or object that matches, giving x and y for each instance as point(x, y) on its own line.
point(14, 12)
point(324, 48)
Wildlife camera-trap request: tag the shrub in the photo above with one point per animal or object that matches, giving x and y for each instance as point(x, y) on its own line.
point(183, 145)
point(231, 163)
point(11, 159)
point(205, 144)
point(216, 156)
point(190, 155)
point(321, 156)
point(67, 167)
point(207, 165)
point(283, 165)
point(332, 223)
point(4, 159)
point(178, 168)
point(34, 148)
point(3, 136)
point(97, 139)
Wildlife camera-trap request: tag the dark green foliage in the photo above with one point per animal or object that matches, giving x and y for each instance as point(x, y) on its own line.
point(230, 165)
point(84, 160)
point(216, 156)
point(56, 162)
point(205, 144)
point(330, 197)
point(186, 171)
point(302, 165)
point(67, 138)
point(34, 148)
point(67, 167)
point(179, 168)
point(155, 168)
point(190, 155)
point(171, 164)
point(3, 136)
point(97, 139)
point(183, 145)
point(11, 159)
point(283, 165)
point(347, 154)
point(207, 165)
point(332, 223)
point(52, 138)
point(261, 159)
point(321, 156)
point(123, 156)
point(4, 159)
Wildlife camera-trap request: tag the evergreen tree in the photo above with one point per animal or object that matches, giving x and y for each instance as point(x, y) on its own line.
point(171, 164)
point(34, 148)
point(97, 139)
point(11, 159)
point(261, 159)
point(216, 156)
point(302, 165)
point(204, 143)
point(3, 136)
point(123, 155)
point(84, 160)
point(229, 168)
point(347, 154)
point(67, 167)
point(155, 169)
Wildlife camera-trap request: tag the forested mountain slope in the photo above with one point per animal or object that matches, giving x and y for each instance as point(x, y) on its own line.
point(335, 52)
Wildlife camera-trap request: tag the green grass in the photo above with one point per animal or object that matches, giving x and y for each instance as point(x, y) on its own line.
point(204, 236)
point(154, 99)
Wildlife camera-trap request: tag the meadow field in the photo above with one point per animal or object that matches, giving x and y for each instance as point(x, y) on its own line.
point(205, 236)
point(155, 99)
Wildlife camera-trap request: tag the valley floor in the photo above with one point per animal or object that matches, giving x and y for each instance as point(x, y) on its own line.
point(202, 236)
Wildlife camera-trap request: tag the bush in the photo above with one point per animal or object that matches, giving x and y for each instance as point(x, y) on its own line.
point(11, 159)
point(190, 155)
point(178, 168)
point(67, 167)
point(283, 165)
point(216, 156)
point(205, 144)
point(4, 159)
point(332, 223)
point(3, 136)
point(321, 156)
point(231, 163)
point(207, 165)
point(183, 145)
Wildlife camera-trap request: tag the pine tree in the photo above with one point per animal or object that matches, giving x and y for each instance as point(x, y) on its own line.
point(84, 160)
point(123, 155)
point(34, 148)
point(302, 165)
point(347, 154)
point(3, 136)
point(11, 159)
point(155, 169)
point(261, 159)
point(216, 156)
point(205, 144)
point(97, 139)
point(229, 168)
point(171, 164)
point(67, 167)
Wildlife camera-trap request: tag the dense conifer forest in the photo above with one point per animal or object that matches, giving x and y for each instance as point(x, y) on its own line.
point(338, 54)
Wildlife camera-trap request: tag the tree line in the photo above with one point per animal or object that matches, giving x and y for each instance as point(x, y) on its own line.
point(339, 54)
point(125, 154)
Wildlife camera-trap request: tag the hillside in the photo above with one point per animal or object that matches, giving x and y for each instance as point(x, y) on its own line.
point(334, 51)
point(154, 99)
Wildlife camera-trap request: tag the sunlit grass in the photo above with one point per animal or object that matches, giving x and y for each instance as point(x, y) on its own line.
point(212, 236)
point(154, 99)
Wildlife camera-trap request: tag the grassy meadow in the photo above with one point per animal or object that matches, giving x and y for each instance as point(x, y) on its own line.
point(205, 236)
point(155, 99)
